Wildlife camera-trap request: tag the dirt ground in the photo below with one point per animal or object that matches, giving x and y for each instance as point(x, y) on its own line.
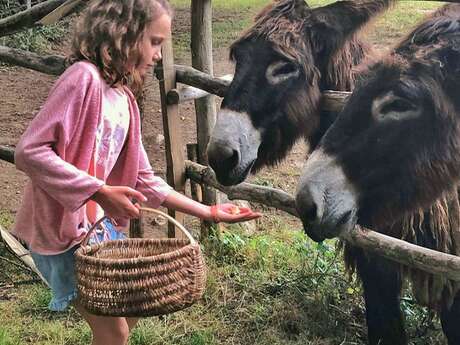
point(23, 92)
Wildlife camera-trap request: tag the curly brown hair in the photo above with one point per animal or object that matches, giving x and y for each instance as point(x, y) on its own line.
point(109, 34)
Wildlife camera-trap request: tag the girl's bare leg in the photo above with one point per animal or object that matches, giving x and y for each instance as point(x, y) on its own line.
point(107, 330)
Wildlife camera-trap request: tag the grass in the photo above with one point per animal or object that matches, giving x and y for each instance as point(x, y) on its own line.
point(268, 289)
point(272, 287)
point(390, 27)
point(252, 280)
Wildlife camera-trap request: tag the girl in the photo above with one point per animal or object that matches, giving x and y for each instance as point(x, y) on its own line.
point(84, 155)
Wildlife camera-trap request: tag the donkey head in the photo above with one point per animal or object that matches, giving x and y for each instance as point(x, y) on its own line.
point(282, 64)
point(395, 148)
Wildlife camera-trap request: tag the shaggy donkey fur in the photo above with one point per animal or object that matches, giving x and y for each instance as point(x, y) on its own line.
point(317, 49)
point(395, 151)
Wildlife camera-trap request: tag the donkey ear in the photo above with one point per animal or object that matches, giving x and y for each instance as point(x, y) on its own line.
point(335, 23)
point(449, 58)
point(296, 9)
point(302, 8)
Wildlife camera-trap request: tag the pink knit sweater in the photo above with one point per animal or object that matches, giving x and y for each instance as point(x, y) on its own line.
point(55, 152)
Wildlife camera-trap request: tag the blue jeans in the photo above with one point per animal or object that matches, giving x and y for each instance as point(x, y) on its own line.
point(59, 270)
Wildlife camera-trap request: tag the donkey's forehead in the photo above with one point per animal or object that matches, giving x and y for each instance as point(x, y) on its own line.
point(257, 46)
point(286, 18)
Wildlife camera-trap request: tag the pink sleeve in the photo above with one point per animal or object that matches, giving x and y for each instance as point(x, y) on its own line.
point(41, 150)
point(153, 187)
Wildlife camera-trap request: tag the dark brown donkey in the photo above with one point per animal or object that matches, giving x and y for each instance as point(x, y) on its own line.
point(283, 62)
point(391, 162)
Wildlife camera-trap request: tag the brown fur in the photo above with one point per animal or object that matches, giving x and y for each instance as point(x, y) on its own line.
point(289, 26)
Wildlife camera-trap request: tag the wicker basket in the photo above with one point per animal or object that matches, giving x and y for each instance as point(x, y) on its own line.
point(140, 277)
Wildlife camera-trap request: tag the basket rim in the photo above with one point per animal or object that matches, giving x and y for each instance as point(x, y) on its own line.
point(81, 255)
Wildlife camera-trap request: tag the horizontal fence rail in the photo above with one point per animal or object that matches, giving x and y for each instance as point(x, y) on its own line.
point(391, 248)
point(48, 64)
point(55, 65)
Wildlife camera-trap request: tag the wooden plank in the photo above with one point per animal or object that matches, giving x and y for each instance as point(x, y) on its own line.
point(175, 168)
point(56, 15)
point(271, 197)
point(17, 248)
point(205, 108)
point(189, 93)
point(48, 64)
point(136, 228)
point(27, 18)
point(7, 154)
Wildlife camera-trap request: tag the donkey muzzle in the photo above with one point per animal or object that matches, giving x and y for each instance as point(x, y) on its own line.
point(325, 200)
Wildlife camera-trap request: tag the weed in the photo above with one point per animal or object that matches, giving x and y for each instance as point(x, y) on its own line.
point(6, 338)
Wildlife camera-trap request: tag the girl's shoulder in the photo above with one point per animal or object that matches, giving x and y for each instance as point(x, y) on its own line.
point(83, 71)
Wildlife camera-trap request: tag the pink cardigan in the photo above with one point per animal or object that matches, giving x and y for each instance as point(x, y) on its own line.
point(55, 152)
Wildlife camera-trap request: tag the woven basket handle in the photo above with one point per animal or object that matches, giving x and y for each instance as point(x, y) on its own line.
point(167, 216)
point(172, 220)
point(90, 231)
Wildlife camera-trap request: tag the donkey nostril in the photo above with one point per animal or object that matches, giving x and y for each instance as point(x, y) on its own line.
point(223, 157)
point(311, 213)
point(231, 161)
point(306, 206)
point(344, 218)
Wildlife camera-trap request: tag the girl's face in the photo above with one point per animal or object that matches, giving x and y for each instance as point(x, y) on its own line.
point(150, 46)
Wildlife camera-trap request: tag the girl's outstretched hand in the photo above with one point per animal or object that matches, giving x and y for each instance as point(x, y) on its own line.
point(230, 213)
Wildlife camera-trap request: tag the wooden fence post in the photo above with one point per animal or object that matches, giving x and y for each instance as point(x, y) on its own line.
point(195, 188)
point(175, 168)
point(201, 44)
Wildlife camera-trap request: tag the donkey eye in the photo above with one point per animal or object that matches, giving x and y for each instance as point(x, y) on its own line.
point(398, 105)
point(285, 68)
point(281, 71)
point(391, 107)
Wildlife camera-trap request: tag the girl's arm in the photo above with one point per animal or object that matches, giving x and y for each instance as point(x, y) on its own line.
point(158, 192)
point(41, 151)
point(228, 213)
point(181, 203)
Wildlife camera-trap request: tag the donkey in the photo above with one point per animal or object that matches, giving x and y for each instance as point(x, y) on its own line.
point(391, 161)
point(283, 63)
